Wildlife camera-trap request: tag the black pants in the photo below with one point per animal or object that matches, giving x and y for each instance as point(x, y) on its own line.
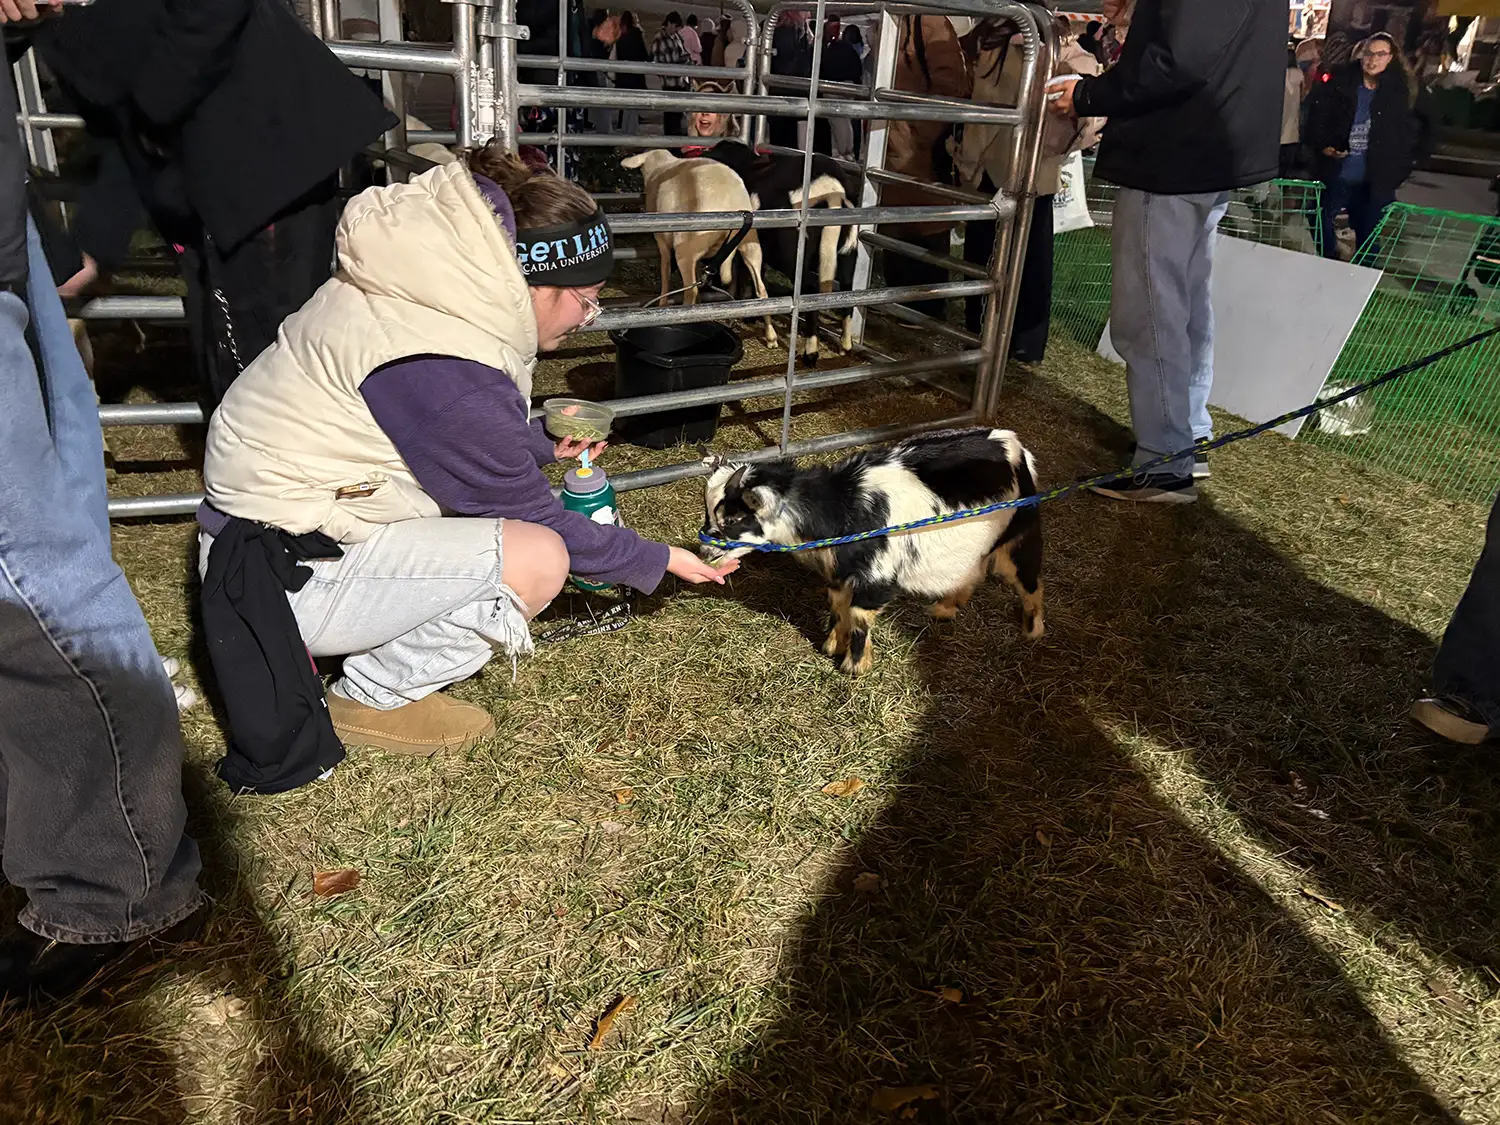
point(671, 125)
point(901, 270)
point(264, 280)
point(1028, 341)
point(1470, 654)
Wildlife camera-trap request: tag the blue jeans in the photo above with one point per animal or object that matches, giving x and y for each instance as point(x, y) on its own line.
point(1162, 319)
point(1366, 207)
point(90, 752)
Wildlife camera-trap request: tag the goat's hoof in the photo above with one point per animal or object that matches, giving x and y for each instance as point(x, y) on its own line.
point(808, 359)
point(856, 668)
point(1034, 629)
point(941, 611)
point(834, 646)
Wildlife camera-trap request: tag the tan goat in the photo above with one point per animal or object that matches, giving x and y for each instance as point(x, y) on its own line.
point(676, 185)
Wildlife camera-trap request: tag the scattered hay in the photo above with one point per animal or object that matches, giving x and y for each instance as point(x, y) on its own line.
point(1068, 890)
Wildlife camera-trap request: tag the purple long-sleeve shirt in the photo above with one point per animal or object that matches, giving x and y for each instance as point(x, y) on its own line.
point(462, 428)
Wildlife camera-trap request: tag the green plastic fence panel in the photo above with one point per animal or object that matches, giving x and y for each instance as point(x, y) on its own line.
point(1285, 213)
point(1441, 284)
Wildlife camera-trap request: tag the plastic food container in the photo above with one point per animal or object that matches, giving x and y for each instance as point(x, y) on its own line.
point(577, 418)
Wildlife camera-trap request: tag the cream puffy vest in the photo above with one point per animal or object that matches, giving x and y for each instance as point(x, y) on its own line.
point(425, 268)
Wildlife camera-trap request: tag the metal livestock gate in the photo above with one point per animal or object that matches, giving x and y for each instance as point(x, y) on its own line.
point(483, 63)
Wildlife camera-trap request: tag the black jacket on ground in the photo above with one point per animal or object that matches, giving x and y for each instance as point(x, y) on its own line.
point(280, 733)
point(1398, 127)
point(1194, 104)
point(231, 109)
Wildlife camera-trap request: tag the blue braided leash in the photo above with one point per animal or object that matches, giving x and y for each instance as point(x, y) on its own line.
point(1111, 477)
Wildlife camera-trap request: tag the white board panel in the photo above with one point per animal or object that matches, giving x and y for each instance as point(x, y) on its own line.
point(1280, 320)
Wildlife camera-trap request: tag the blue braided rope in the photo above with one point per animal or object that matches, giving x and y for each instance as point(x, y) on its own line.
point(1105, 478)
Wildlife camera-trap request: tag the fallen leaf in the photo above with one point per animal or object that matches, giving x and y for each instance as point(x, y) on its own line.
point(624, 796)
point(607, 1021)
point(846, 788)
point(558, 1072)
point(1452, 999)
point(222, 1010)
point(559, 912)
point(611, 827)
point(951, 995)
point(888, 1099)
point(326, 884)
point(1322, 900)
point(868, 883)
point(1343, 499)
point(1043, 839)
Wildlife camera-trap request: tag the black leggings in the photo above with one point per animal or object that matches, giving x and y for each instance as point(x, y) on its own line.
point(1028, 340)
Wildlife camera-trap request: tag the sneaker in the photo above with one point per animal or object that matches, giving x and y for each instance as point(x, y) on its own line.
point(38, 971)
point(186, 696)
point(435, 724)
point(1451, 718)
point(1150, 488)
point(1201, 470)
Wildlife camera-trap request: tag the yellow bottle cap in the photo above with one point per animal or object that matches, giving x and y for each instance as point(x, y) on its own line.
point(583, 473)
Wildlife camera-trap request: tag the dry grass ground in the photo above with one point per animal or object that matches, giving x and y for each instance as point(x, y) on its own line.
point(1182, 861)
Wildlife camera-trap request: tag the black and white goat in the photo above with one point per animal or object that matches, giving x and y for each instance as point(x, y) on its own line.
point(780, 502)
point(774, 181)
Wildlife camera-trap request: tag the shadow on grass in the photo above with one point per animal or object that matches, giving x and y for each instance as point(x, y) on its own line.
point(1043, 851)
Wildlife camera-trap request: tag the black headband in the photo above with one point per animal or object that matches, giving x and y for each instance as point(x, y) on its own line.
point(571, 255)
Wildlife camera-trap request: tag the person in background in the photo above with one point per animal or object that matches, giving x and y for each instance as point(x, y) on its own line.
point(92, 819)
point(603, 30)
point(1110, 45)
point(929, 60)
point(1291, 116)
point(841, 63)
point(707, 33)
point(1092, 41)
point(669, 48)
point(1465, 704)
point(692, 41)
point(729, 48)
point(1366, 129)
point(856, 40)
point(412, 368)
point(984, 164)
point(229, 120)
point(1194, 108)
point(630, 47)
point(791, 48)
point(710, 127)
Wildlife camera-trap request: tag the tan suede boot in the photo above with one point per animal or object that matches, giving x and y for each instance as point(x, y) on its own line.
point(433, 725)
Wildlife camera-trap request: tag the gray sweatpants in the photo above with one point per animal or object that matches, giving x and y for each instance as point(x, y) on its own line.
point(1161, 318)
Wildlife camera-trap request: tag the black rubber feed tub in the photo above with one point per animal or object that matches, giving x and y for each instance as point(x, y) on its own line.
point(676, 357)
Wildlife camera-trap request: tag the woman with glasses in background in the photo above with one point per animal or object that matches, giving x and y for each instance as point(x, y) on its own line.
point(1366, 128)
point(392, 416)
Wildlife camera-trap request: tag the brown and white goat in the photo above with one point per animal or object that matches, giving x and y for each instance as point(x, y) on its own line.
point(676, 185)
point(780, 502)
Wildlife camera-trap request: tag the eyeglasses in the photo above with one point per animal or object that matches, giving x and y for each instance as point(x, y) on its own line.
point(591, 308)
point(1377, 54)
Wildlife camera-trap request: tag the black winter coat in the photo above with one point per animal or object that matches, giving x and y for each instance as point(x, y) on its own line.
point(1194, 104)
point(631, 47)
point(228, 109)
point(1398, 127)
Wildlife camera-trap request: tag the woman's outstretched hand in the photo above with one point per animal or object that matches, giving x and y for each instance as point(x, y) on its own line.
point(690, 568)
point(569, 448)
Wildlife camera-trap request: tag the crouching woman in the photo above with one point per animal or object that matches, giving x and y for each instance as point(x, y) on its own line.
point(391, 416)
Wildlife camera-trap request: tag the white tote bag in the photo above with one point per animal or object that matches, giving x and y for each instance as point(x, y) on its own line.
point(1070, 206)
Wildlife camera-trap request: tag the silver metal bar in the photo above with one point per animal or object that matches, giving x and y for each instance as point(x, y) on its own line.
point(784, 218)
point(839, 89)
point(611, 140)
point(928, 323)
point(917, 254)
point(56, 121)
point(943, 191)
point(667, 474)
point(432, 136)
point(417, 58)
point(506, 106)
point(151, 414)
point(887, 99)
point(393, 86)
point(573, 97)
point(778, 306)
point(328, 13)
point(154, 507)
point(465, 79)
point(874, 160)
point(764, 388)
point(41, 148)
point(132, 308)
point(562, 80)
point(610, 66)
point(851, 165)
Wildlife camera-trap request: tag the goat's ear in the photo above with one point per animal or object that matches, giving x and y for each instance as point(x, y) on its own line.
point(711, 461)
point(737, 480)
point(634, 161)
point(759, 499)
